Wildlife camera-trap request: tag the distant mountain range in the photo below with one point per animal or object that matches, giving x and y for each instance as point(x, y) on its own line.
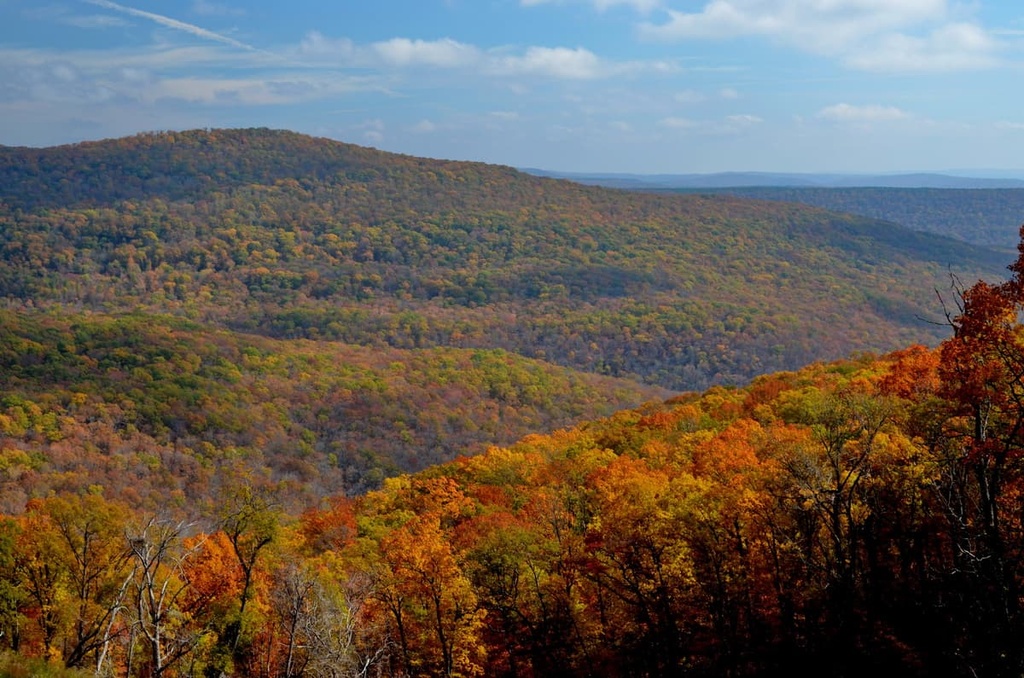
point(983, 216)
point(775, 179)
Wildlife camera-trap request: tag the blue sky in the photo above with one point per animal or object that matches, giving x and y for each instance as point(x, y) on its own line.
point(644, 86)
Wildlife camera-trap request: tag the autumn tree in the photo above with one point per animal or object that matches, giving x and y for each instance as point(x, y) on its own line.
point(982, 378)
point(250, 522)
point(74, 567)
point(419, 582)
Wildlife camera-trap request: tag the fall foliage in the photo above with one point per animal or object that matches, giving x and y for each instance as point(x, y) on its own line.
point(181, 500)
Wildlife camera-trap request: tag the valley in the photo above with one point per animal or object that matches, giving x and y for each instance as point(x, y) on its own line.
point(279, 405)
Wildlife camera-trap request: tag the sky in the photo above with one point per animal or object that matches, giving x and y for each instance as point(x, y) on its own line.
point(631, 86)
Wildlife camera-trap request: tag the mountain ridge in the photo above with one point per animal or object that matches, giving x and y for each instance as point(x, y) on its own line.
point(342, 242)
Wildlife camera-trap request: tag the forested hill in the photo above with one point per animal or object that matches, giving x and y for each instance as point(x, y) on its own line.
point(196, 164)
point(295, 237)
point(983, 216)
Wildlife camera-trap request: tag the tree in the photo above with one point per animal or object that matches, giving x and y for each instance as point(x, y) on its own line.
point(981, 371)
point(75, 568)
point(92, 530)
point(160, 586)
point(11, 592)
point(430, 600)
point(250, 522)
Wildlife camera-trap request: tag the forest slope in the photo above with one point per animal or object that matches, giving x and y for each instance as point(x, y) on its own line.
point(155, 408)
point(295, 237)
point(828, 521)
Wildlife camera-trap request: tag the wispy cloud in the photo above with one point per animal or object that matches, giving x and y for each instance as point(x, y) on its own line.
point(372, 130)
point(558, 62)
point(689, 96)
point(848, 113)
point(954, 47)
point(254, 91)
point(172, 23)
point(562, 63)
point(444, 53)
point(207, 75)
point(819, 25)
point(727, 126)
point(673, 122)
point(744, 119)
point(643, 6)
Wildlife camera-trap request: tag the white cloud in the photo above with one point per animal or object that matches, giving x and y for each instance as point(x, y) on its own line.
point(954, 47)
point(744, 119)
point(247, 91)
point(558, 62)
point(690, 96)
point(891, 35)
point(847, 113)
point(643, 6)
point(819, 23)
point(315, 44)
point(445, 53)
point(730, 125)
point(372, 130)
point(101, 63)
point(424, 127)
point(83, 77)
point(65, 73)
point(544, 62)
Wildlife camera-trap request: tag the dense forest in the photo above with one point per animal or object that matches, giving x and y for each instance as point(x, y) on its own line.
point(159, 408)
point(294, 237)
point(846, 518)
point(278, 406)
point(983, 216)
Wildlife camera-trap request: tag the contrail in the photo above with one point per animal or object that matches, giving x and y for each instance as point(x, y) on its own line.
point(173, 23)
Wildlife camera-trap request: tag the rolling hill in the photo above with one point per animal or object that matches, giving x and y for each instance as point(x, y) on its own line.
point(294, 237)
